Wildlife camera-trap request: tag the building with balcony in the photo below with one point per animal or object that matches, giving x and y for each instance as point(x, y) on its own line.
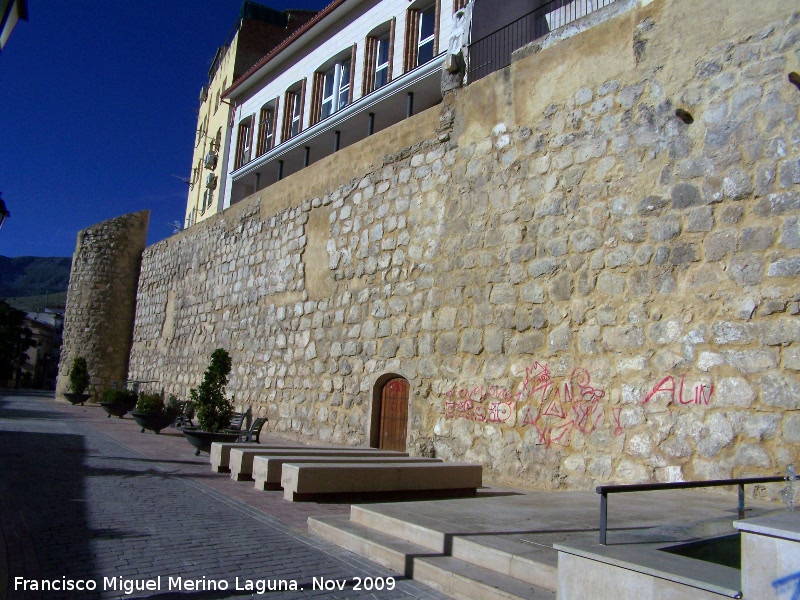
point(258, 30)
point(356, 68)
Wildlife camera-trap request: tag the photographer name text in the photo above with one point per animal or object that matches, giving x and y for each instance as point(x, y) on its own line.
point(204, 584)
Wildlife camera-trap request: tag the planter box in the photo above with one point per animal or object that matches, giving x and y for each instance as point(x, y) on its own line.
point(76, 398)
point(202, 440)
point(152, 422)
point(116, 409)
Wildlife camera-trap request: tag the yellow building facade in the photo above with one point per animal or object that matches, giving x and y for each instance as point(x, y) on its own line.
point(259, 30)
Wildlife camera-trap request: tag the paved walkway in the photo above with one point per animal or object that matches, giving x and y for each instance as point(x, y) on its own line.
point(87, 500)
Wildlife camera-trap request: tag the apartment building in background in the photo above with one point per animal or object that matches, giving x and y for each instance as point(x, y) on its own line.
point(351, 70)
point(258, 30)
point(356, 68)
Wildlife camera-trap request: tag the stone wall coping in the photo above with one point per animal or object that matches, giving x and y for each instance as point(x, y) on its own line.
point(646, 558)
point(785, 524)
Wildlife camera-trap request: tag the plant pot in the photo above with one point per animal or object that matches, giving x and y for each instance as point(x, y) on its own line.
point(114, 408)
point(152, 422)
point(202, 440)
point(76, 398)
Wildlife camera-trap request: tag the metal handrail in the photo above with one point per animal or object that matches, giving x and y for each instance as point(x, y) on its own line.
point(605, 490)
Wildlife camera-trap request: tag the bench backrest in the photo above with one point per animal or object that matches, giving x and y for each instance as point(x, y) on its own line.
point(237, 420)
point(254, 433)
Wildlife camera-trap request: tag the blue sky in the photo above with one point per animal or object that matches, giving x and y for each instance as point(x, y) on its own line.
point(98, 109)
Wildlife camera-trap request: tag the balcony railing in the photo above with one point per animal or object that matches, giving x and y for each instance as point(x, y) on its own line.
point(493, 52)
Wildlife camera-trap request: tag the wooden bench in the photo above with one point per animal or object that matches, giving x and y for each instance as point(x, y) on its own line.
point(241, 459)
point(307, 481)
point(237, 420)
point(253, 434)
point(267, 469)
point(185, 418)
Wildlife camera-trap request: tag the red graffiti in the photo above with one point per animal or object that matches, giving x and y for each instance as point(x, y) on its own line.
point(530, 417)
point(555, 406)
point(563, 405)
point(500, 412)
point(543, 436)
point(536, 373)
point(615, 415)
point(479, 393)
point(554, 409)
point(558, 406)
point(586, 416)
point(702, 392)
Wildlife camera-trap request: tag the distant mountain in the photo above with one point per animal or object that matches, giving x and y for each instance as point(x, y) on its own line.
point(33, 276)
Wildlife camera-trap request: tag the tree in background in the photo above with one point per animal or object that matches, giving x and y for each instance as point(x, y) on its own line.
point(15, 340)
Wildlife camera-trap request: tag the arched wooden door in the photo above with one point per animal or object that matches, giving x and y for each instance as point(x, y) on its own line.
point(394, 415)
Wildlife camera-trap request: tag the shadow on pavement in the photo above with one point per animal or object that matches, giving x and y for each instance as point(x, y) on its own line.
point(43, 499)
point(16, 414)
point(160, 461)
point(34, 412)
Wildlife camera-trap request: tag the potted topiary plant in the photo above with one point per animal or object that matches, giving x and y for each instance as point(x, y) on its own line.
point(213, 408)
point(151, 413)
point(118, 402)
point(78, 382)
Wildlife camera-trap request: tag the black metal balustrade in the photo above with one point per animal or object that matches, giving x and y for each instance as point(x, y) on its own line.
point(605, 490)
point(493, 51)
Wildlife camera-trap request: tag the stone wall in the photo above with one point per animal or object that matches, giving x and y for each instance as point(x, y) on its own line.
point(101, 300)
point(580, 285)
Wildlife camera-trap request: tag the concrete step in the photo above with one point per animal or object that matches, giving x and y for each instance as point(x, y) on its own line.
point(525, 557)
point(423, 534)
point(451, 576)
point(466, 581)
point(379, 547)
point(510, 555)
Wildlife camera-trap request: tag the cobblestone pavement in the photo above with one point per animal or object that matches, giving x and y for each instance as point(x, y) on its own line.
point(83, 499)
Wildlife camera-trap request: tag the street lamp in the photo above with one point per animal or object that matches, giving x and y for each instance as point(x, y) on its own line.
point(4, 214)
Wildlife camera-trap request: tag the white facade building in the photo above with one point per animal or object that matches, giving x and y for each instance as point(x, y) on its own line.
point(358, 67)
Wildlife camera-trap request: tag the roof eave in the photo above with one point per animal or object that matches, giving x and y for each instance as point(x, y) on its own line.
point(240, 85)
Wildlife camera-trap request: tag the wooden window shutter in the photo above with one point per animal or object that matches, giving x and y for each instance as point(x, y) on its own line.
point(436, 16)
point(370, 61)
point(288, 104)
point(353, 53)
point(316, 97)
point(240, 143)
point(237, 161)
point(391, 48)
point(410, 44)
point(262, 131)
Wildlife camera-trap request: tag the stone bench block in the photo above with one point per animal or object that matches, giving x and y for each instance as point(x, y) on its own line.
point(221, 453)
point(302, 481)
point(241, 459)
point(267, 469)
